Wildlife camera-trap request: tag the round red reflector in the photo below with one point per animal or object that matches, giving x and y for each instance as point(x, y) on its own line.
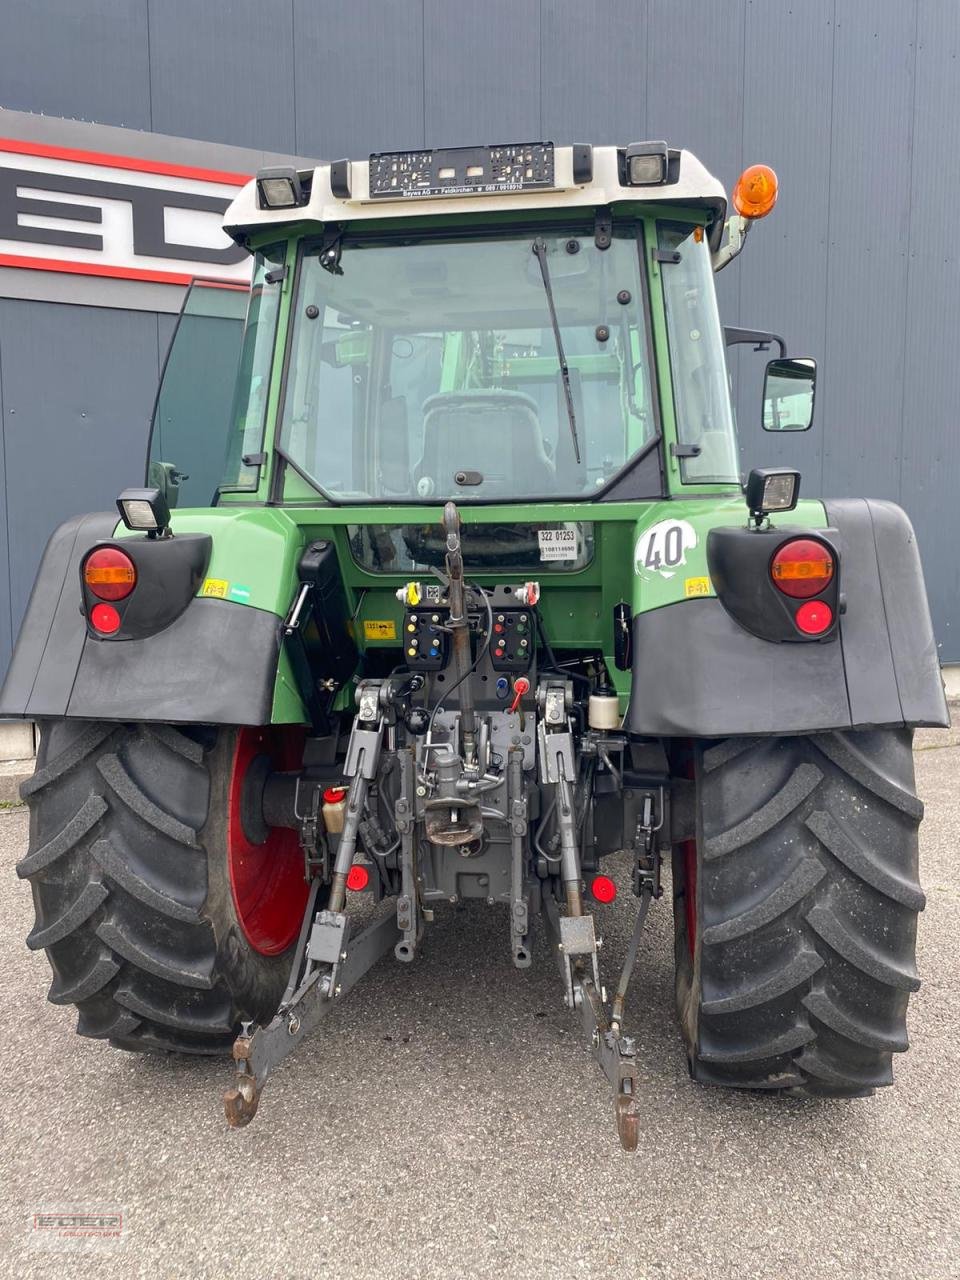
point(603, 889)
point(358, 878)
point(814, 617)
point(104, 618)
point(333, 795)
point(109, 573)
point(802, 568)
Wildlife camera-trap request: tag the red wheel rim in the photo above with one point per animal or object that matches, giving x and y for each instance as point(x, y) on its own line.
point(266, 880)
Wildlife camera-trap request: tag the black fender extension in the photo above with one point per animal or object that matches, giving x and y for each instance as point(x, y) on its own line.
point(698, 673)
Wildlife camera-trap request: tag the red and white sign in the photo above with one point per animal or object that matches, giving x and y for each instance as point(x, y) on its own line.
point(89, 213)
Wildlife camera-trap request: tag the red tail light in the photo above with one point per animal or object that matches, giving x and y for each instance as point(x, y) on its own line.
point(603, 889)
point(814, 617)
point(109, 573)
point(358, 877)
point(105, 619)
point(802, 568)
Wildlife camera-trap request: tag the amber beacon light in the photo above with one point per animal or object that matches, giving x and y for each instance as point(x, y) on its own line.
point(756, 191)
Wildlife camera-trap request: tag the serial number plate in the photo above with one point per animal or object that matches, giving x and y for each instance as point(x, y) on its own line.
point(558, 544)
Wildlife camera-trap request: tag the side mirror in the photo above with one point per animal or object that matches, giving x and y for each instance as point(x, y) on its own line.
point(788, 394)
point(165, 477)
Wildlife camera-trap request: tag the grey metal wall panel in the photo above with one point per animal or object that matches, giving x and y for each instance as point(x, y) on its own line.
point(482, 70)
point(359, 76)
point(781, 278)
point(870, 186)
point(84, 136)
point(89, 60)
point(224, 72)
point(694, 86)
point(593, 70)
point(78, 384)
point(694, 80)
point(929, 441)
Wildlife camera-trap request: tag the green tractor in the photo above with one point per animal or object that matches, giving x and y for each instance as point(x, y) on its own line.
point(459, 595)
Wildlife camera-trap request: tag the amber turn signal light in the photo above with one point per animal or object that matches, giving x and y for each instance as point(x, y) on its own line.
point(802, 568)
point(756, 191)
point(109, 573)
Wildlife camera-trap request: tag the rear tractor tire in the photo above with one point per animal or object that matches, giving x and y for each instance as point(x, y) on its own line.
point(163, 924)
point(795, 912)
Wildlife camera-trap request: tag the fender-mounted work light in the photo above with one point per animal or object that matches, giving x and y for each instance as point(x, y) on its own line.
point(646, 164)
point(145, 511)
point(771, 489)
point(279, 188)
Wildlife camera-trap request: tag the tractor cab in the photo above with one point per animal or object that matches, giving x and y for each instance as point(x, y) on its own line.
point(545, 338)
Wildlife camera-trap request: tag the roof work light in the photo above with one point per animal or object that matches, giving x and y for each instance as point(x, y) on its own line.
point(279, 188)
point(646, 164)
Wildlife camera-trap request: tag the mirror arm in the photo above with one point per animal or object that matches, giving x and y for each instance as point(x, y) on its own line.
point(760, 339)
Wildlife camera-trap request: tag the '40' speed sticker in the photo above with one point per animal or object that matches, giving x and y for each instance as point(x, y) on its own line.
point(663, 548)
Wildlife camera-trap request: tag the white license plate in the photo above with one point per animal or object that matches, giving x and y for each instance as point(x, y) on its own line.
point(558, 544)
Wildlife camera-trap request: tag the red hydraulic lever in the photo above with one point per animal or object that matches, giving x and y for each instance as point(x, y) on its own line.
point(520, 686)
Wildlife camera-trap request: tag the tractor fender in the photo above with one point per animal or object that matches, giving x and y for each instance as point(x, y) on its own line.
point(698, 673)
point(215, 663)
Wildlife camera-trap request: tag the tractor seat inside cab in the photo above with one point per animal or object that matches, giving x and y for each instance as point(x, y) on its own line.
point(496, 435)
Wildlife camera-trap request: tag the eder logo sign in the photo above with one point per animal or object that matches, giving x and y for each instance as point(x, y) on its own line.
point(94, 214)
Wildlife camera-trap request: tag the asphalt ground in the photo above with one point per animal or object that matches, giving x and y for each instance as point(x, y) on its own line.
point(447, 1123)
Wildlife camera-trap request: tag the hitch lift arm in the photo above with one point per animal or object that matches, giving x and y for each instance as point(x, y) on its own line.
point(327, 964)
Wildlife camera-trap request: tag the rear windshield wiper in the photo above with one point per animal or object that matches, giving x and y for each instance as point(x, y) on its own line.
point(540, 249)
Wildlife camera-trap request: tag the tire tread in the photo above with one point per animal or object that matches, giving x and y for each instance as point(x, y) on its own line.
point(807, 910)
point(120, 889)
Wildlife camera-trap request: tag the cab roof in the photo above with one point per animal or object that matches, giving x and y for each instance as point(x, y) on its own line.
point(341, 192)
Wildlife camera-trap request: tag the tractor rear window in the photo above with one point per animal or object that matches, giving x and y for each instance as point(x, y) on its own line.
point(559, 547)
point(430, 369)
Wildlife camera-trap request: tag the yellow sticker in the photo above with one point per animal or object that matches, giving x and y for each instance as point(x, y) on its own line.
point(379, 630)
point(215, 587)
point(696, 587)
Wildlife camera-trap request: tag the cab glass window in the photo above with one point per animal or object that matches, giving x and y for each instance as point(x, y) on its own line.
point(425, 369)
point(698, 367)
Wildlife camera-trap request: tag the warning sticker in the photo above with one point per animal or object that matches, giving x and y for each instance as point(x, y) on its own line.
point(379, 630)
point(558, 544)
point(218, 587)
point(696, 587)
point(663, 548)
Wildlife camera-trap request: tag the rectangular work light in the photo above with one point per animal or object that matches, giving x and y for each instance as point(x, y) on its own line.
point(279, 188)
point(771, 489)
point(646, 164)
point(144, 510)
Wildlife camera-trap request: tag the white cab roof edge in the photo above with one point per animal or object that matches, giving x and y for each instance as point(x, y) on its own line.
point(695, 186)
